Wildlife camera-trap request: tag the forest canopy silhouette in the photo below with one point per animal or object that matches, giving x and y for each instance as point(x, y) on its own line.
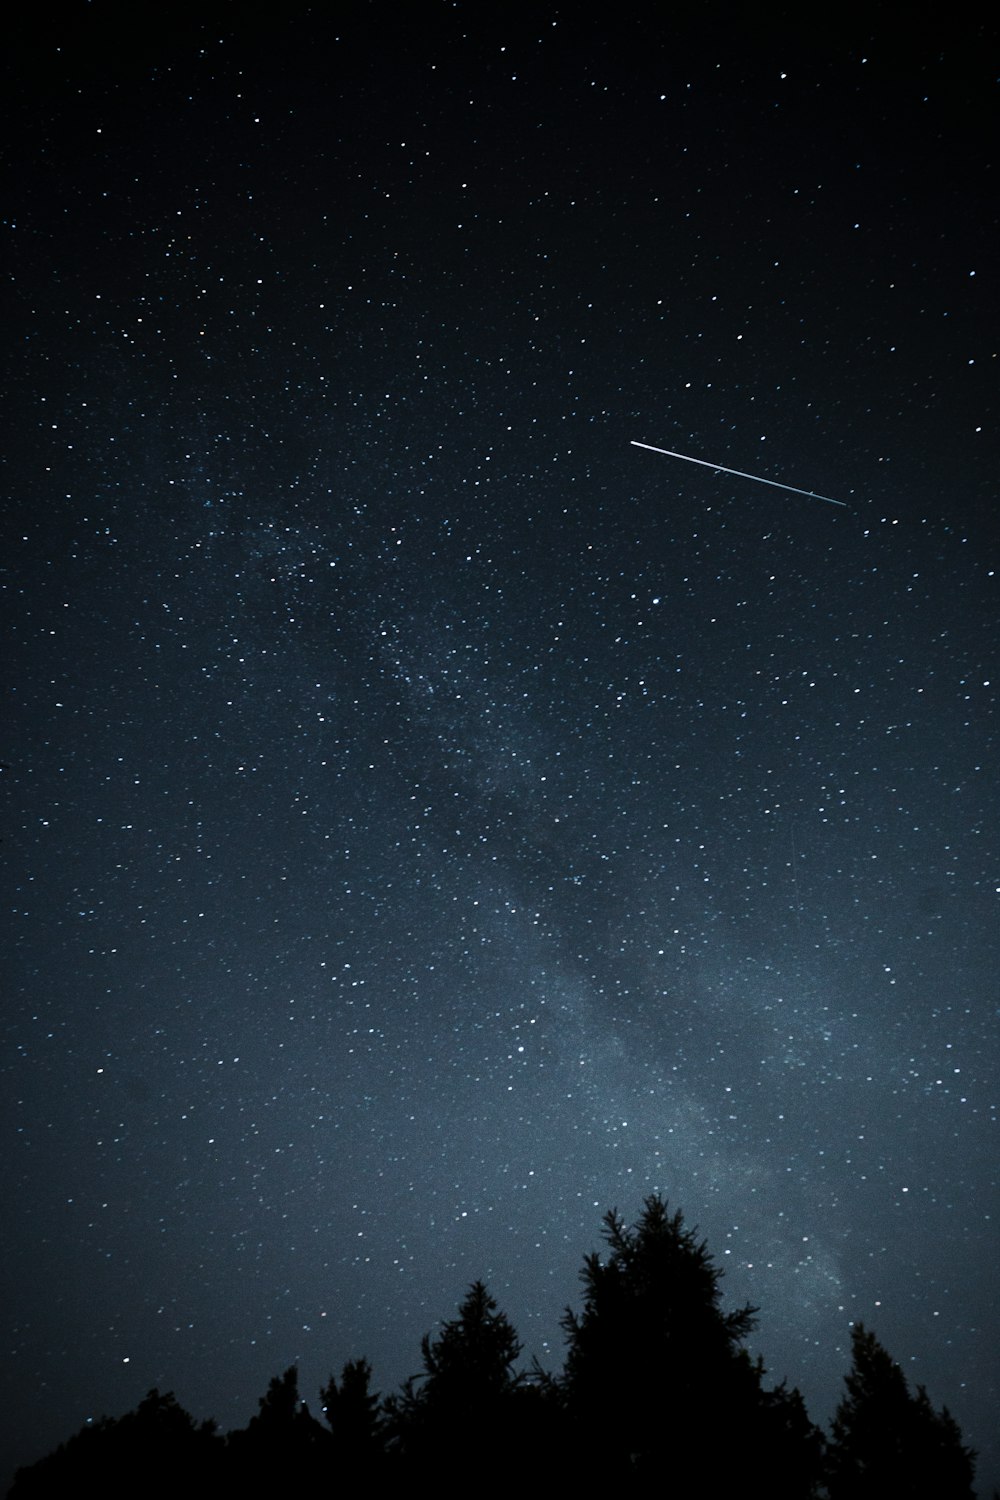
point(656, 1386)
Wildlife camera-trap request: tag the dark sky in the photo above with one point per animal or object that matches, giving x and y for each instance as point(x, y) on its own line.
point(430, 819)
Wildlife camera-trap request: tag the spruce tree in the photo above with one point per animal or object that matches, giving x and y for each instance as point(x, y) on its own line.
point(656, 1378)
point(471, 1360)
point(352, 1411)
point(886, 1441)
point(464, 1408)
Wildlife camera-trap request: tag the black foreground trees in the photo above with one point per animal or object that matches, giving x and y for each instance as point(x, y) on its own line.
point(158, 1451)
point(282, 1439)
point(657, 1387)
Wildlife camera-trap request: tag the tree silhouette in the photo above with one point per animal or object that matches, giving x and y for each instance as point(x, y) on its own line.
point(352, 1411)
point(468, 1401)
point(789, 1448)
point(471, 1360)
point(156, 1450)
point(657, 1387)
point(887, 1441)
point(281, 1440)
point(656, 1376)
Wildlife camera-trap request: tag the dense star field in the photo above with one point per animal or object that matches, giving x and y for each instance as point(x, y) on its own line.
point(431, 819)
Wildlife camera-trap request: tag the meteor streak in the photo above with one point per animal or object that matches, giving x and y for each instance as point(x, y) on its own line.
point(721, 469)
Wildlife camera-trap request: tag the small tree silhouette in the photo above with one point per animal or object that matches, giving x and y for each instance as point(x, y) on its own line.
point(471, 1360)
point(466, 1402)
point(280, 1440)
point(352, 1412)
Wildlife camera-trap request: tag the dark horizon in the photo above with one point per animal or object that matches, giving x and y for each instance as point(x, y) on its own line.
point(657, 1380)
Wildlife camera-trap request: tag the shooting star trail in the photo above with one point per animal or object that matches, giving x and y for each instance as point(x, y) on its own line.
point(721, 469)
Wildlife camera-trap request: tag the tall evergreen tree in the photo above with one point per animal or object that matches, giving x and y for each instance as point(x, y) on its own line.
point(886, 1441)
point(656, 1378)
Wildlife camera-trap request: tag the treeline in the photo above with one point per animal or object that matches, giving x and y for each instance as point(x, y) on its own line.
point(656, 1387)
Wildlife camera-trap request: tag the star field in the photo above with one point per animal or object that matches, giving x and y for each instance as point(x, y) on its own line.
point(432, 820)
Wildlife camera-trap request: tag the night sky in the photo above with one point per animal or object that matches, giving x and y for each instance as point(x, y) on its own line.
point(431, 820)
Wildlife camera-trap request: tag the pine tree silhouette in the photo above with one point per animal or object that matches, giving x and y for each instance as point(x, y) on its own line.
point(468, 1403)
point(886, 1441)
point(281, 1441)
point(471, 1360)
point(353, 1413)
point(656, 1379)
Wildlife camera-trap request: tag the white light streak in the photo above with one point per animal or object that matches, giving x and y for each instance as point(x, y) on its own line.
point(721, 469)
